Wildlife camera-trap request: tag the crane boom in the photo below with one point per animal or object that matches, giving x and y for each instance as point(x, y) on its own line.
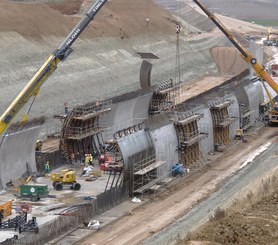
point(261, 72)
point(50, 65)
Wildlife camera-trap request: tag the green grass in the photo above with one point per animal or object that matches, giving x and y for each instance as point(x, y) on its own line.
point(265, 22)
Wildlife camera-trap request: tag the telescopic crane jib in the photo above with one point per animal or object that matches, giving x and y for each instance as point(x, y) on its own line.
point(47, 69)
point(261, 72)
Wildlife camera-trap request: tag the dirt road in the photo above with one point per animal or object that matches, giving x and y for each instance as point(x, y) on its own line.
point(166, 208)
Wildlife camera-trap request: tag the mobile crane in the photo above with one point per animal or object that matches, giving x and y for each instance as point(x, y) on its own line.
point(50, 65)
point(261, 72)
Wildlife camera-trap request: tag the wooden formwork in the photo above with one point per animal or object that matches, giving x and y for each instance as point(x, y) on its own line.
point(81, 131)
point(221, 122)
point(188, 138)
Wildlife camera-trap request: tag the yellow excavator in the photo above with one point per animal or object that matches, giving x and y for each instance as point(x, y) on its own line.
point(47, 69)
point(261, 72)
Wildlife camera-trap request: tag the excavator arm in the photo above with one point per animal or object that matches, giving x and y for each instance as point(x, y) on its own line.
point(48, 68)
point(261, 72)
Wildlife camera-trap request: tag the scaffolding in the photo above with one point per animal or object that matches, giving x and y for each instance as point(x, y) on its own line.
point(82, 130)
point(188, 138)
point(164, 97)
point(245, 116)
point(145, 175)
point(221, 121)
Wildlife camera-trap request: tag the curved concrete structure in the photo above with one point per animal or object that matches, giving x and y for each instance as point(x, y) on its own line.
point(165, 143)
point(17, 155)
point(205, 126)
point(134, 148)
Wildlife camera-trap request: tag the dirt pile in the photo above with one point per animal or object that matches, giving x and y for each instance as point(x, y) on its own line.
point(118, 18)
point(70, 8)
point(256, 224)
point(228, 60)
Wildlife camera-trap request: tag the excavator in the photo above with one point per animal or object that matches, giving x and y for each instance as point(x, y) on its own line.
point(59, 55)
point(250, 59)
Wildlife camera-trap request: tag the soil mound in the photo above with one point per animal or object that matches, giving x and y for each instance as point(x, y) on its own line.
point(228, 60)
point(119, 18)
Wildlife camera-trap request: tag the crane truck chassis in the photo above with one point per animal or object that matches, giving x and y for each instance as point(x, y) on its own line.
point(50, 65)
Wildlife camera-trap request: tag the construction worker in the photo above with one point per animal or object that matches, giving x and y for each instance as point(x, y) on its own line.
point(98, 105)
point(47, 168)
point(91, 159)
point(87, 159)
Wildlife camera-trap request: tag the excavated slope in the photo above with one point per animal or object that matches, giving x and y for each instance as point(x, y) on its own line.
point(105, 61)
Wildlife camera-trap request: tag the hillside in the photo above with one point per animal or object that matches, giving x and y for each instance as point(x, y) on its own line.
point(105, 53)
point(34, 20)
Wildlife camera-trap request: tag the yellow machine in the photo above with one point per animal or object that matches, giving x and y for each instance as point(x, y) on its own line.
point(7, 209)
point(261, 72)
point(65, 178)
point(239, 134)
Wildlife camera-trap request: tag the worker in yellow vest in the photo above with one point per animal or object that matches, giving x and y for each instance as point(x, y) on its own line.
point(47, 168)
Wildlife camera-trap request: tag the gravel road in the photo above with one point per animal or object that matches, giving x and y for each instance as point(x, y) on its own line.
point(173, 213)
point(261, 167)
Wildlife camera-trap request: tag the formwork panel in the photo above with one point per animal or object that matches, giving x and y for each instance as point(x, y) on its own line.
point(17, 154)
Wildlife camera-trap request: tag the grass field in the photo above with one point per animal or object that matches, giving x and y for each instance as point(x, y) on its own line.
point(273, 23)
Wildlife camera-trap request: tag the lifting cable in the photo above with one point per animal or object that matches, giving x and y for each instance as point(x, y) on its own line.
point(25, 116)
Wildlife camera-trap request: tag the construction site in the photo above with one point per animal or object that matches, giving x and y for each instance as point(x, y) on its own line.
point(140, 125)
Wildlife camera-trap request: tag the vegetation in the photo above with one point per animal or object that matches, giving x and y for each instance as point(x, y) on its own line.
point(273, 23)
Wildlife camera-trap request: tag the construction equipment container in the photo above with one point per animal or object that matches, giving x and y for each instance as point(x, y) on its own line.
point(35, 192)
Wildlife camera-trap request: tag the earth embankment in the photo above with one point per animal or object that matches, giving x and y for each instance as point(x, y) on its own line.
point(105, 62)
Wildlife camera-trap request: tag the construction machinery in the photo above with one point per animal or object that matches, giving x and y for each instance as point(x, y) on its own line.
point(270, 41)
point(35, 191)
point(260, 70)
point(47, 69)
point(239, 134)
point(65, 177)
point(6, 209)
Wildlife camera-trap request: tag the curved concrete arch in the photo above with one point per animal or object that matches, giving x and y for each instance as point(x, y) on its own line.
point(135, 147)
point(233, 111)
point(259, 91)
point(254, 96)
point(165, 142)
point(129, 112)
point(205, 126)
point(17, 154)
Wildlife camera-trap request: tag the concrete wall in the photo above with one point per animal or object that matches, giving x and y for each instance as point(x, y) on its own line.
point(127, 113)
point(233, 111)
point(132, 145)
point(254, 96)
point(165, 143)
point(16, 152)
point(205, 125)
